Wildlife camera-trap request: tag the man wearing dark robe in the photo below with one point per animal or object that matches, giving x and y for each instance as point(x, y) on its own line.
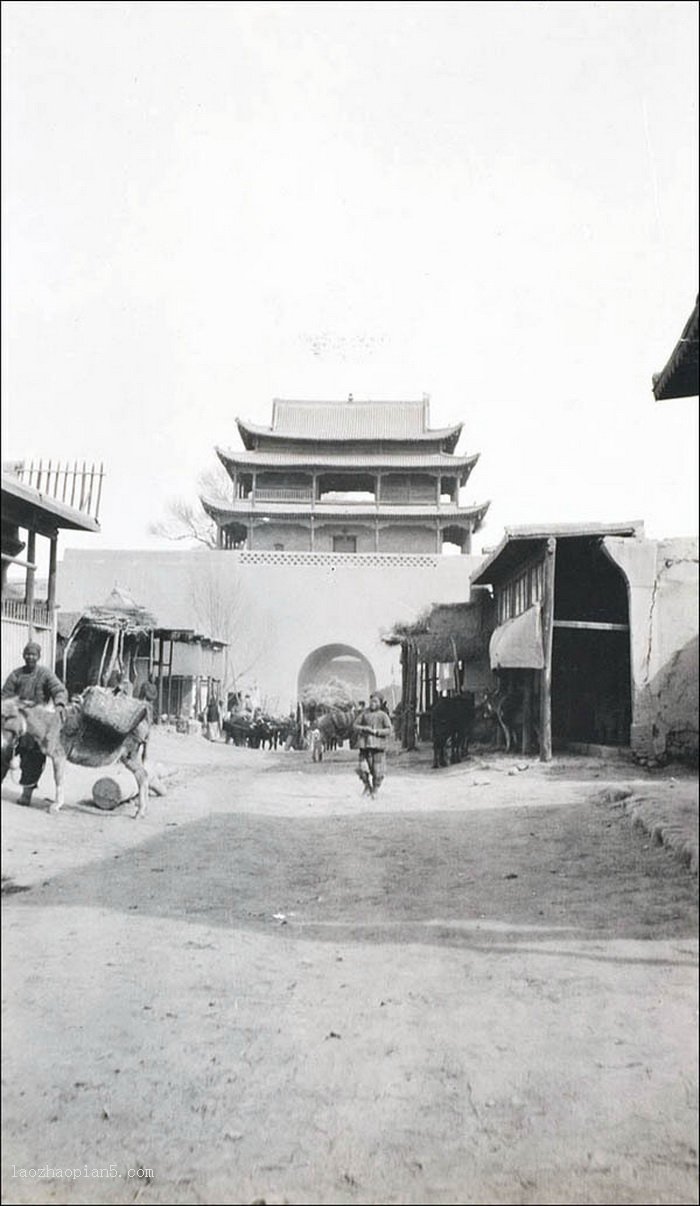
point(35, 684)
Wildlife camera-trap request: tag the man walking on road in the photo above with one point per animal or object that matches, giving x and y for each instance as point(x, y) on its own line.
point(373, 728)
point(213, 727)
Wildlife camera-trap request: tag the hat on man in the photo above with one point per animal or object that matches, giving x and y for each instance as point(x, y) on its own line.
point(32, 647)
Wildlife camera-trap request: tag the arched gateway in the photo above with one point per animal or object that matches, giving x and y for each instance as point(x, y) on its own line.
point(340, 662)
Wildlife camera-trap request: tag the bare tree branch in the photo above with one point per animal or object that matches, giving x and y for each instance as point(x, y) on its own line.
point(222, 611)
point(189, 521)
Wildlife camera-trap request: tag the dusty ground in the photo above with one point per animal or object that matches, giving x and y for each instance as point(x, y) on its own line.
point(480, 987)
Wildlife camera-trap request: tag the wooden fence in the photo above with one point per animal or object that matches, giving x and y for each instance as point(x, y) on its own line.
point(16, 631)
point(78, 486)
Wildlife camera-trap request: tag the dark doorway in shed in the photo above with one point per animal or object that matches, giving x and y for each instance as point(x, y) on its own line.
point(591, 686)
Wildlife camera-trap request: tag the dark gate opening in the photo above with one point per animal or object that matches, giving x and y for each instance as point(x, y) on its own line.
point(590, 687)
point(591, 682)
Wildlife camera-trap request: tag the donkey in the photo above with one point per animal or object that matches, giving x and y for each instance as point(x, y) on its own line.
point(57, 737)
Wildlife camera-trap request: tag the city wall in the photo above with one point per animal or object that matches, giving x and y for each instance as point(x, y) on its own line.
point(274, 608)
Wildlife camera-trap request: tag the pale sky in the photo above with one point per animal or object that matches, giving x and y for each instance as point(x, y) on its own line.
point(207, 205)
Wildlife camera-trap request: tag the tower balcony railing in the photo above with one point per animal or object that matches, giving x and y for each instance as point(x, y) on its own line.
point(303, 496)
point(283, 494)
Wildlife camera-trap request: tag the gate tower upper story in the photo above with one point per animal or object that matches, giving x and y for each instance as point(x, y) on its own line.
point(347, 477)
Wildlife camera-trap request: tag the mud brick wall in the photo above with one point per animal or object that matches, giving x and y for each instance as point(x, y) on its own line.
point(662, 579)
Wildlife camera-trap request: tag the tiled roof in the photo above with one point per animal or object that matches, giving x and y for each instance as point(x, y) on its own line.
point(314, 459)
point(679, 376)
point(244, 509)
point(521, 542)
point(626, 527)
point(298, 420)
point(350, 420)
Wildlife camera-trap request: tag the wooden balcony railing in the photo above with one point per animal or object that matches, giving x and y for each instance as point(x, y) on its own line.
point(78, 487)
point(283, 494)
point(18, 611)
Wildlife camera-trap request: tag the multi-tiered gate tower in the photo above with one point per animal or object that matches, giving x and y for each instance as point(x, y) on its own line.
point(347, 477)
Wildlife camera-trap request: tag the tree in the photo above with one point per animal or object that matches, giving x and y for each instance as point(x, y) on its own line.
point(223, 612)
point(185, 520)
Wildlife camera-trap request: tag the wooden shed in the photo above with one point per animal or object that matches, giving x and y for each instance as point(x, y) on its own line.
point(122, 635)
point(563, 631)
point(446, 650)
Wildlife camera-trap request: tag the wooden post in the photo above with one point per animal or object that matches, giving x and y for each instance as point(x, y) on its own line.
point(160, 675)
point(412, 668)
point(547, 634)
point(83, 484)
point(51, 590)
point(99, 490)
point(467, 545)
point(527, 714)
point(29, 582)
point(170, 676)
point(404, 691)
point(66, 650)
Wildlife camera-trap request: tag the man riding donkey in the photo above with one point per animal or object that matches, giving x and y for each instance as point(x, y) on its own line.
point(373, 729)
point(34, 684)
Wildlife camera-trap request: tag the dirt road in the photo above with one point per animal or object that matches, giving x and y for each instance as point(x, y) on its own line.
point(479, 987)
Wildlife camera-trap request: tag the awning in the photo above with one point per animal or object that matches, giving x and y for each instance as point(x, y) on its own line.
point(517, 644)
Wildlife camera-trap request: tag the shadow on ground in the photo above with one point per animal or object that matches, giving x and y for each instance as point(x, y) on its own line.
point(480, 879)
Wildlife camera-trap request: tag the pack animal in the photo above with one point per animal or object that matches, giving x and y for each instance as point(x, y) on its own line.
point(506, 707)
point(452, 719)
point(237, 729)
point(336, 726)
point(55, 734)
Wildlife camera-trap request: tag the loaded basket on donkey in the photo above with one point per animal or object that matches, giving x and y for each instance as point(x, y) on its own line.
point(98, 724)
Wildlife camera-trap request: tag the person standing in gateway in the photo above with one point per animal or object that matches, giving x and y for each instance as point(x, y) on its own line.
point(373, 728)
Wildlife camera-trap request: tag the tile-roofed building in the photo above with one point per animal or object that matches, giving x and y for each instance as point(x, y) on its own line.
point(346, 477)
